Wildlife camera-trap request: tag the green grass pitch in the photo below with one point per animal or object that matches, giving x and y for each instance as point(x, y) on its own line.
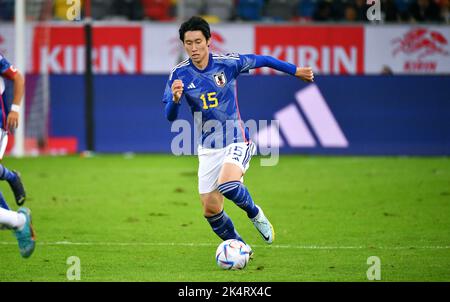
point(139, 219)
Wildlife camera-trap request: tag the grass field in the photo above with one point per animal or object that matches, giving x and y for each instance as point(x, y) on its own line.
point(139, 219)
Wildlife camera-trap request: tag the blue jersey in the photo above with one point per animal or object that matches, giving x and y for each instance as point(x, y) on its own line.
point(6, 71)
point(212, 92)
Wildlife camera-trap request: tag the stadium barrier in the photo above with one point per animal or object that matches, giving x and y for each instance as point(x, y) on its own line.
point(342, 115)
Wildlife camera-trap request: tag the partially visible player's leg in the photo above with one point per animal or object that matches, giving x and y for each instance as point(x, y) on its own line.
point(6, 174)
point(15, 182)
point(12, 177)
point(11, 219)
point(230, 185)
point(218, 219)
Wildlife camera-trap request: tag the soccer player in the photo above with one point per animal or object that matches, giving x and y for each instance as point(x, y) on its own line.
point(9, 120)
point(20, 221)
point(207, 82)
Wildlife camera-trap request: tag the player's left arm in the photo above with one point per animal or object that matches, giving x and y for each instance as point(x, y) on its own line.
point(19, 88)
point(252, 61)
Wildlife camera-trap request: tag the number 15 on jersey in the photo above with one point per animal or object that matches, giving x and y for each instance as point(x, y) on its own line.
point(210, 101)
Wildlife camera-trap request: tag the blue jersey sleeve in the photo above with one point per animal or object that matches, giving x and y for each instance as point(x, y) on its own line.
point(251, 61)
point(171, 109)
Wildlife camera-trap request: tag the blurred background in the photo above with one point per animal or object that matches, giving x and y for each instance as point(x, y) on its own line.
point(382, 85)
point(393, 11)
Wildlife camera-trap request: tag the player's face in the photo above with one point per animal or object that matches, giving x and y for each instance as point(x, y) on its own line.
point(196, 46)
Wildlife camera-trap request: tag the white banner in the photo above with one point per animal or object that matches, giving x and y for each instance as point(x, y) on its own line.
point(407, 49)
point(163, 48)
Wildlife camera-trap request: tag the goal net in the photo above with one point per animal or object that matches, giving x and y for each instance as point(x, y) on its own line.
point(37, 102)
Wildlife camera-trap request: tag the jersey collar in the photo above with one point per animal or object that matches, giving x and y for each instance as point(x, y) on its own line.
point(208, 67)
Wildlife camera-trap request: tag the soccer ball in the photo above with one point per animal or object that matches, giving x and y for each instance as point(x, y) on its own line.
point(232, 254)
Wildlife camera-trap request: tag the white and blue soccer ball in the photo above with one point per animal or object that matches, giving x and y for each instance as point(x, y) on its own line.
point(232, 254)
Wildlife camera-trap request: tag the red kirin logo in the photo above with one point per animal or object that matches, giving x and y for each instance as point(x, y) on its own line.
point(422, 42)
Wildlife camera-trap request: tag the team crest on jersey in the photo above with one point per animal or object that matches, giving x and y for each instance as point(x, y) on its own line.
point(220, 79)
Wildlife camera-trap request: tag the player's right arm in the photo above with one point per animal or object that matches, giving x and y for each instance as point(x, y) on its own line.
point(172, 98)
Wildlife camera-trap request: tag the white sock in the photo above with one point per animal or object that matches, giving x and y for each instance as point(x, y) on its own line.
point(12, 219)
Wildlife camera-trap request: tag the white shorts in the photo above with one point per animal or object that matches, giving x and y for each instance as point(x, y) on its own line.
point(211, 161)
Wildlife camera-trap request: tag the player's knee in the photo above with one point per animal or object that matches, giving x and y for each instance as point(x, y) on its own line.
point(211, 209)
point(221, 182)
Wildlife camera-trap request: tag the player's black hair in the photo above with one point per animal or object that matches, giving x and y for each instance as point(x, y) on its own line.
point(195, 23)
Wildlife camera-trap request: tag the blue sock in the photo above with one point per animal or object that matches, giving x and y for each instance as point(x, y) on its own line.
point(3, 203)
point(238, 193)
point(5, 174)
point(223, 226)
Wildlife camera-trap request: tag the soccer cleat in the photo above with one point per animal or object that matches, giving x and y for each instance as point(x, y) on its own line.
point(264, 227)
point(25, 237)
point(17, 188)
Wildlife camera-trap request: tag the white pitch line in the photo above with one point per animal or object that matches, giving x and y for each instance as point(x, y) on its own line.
point(276, 246)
